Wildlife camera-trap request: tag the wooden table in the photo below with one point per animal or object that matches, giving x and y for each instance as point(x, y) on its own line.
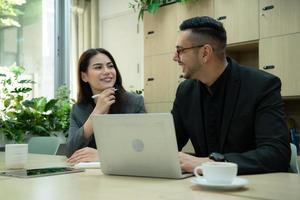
point(92, 184)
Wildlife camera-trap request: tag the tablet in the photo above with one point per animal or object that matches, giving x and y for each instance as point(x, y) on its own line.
point(27, 173)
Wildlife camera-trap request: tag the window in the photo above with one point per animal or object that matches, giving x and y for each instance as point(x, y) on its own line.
point(84, 34)
point(32, 44)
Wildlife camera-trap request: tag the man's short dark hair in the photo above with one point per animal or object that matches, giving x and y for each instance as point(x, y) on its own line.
point(207, 27)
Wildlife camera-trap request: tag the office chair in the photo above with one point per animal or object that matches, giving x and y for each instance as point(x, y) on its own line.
point(294, 168)
point(43, 145)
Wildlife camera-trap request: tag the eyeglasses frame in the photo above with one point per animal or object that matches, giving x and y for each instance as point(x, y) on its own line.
point(181, 50)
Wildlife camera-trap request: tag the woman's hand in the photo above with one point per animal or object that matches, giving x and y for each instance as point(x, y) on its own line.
point(86, 154)
point(103, 102)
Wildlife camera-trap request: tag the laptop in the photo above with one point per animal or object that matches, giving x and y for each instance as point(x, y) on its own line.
point(138, 145)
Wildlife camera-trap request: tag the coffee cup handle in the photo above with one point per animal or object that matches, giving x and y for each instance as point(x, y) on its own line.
point(196, 171)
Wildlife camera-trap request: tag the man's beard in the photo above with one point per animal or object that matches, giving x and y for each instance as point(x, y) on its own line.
point(187, 76)
point(191, 72)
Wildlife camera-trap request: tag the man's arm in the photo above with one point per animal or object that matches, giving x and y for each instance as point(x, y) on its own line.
point(272, 153)
point(181, 137)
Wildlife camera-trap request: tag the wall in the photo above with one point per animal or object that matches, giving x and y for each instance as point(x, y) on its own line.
point(112, 7)
point(131, 67)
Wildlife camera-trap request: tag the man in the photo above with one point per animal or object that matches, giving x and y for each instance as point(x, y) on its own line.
point(229, 112)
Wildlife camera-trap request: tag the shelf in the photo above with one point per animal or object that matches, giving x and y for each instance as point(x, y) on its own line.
point(244, 53)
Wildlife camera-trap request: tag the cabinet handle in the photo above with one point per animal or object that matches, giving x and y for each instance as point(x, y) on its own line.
point(270, 7)
point(268, 67)
point(221, 18)
point(150, 79)
point(150, 32)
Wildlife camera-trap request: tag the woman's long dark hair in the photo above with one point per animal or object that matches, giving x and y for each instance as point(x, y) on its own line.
point(84, 95)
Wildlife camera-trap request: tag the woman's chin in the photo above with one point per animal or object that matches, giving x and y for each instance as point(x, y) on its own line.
point(104, 87)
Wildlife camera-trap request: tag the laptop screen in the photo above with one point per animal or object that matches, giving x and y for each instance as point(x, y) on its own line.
point(137, 144)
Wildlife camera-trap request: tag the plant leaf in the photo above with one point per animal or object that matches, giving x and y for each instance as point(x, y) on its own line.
point(152, 8)
point(51, 104)
point(26, 81)
point(28, 103)
point(17, 70)
point(22, 90)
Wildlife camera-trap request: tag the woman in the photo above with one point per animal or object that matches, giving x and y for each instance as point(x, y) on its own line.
point(100, 92)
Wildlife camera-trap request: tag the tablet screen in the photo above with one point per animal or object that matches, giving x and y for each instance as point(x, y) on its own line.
point(26, 173)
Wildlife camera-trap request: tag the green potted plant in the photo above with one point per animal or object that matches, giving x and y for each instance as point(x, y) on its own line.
point(152, 6)
point(22, 117)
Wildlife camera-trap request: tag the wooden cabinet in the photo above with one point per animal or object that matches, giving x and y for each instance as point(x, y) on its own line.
point(280, 56)
point(161, 78)
point(160, 31)
point(161, 73)
point(159, 107)
point(194, 9)
point(277, 43)
point(240, 19)
point(279, 46)
point(278, 17)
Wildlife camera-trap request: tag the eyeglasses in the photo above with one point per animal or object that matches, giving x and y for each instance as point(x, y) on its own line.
point(181, 50)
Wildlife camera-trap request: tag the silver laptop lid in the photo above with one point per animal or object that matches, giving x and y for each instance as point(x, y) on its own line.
point(137, 144)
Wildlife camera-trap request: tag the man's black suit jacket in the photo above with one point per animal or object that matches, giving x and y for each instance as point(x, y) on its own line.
point(253, 134)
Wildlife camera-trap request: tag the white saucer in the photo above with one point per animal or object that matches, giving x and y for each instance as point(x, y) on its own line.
point(236, 183)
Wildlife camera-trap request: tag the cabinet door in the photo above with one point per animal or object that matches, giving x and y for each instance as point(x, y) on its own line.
point(280, 56)
point(240, 19)
point(161, 78)
point(278, 17)
point(148, 80)
point(194, 9)
point(160, 31)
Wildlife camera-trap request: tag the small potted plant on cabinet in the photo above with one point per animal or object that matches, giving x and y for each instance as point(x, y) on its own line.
point(152, 6)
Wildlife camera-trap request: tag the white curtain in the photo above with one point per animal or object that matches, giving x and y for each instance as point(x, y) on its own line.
point(84, 33)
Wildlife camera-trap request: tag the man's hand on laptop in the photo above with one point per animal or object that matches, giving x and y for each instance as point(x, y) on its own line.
point(188, 162)
point(86, 154)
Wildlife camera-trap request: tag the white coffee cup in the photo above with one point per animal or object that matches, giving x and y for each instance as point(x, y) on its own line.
point(217, 172)
point(16, 156)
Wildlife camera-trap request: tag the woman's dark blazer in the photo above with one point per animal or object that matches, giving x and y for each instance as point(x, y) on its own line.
point(81, 112)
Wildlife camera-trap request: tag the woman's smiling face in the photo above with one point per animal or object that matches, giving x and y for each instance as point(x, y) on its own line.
point(100, 74)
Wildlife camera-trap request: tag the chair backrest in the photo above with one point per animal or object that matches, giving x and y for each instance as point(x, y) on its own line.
point(294, 168)
point(43, 145)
